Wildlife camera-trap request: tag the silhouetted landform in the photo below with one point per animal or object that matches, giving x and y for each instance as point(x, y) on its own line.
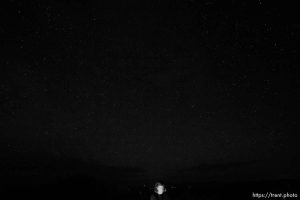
point(35, 170)
point(220, 166)
point(53, 177)
point(87, 187)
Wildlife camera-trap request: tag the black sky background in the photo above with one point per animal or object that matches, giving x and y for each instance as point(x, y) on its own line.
point(181, 90)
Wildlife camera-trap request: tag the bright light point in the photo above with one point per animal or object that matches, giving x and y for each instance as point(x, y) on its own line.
point(160, 189)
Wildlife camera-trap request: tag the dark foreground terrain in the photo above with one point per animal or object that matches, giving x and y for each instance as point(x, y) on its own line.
point(52, 178)
point(89, 188)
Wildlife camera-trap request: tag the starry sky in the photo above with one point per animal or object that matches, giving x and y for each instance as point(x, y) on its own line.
point(182, 90)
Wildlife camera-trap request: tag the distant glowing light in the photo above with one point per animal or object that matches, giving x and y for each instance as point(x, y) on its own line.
point(159, 188)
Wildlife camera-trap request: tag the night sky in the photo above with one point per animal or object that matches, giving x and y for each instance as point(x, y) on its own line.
point(180, 90)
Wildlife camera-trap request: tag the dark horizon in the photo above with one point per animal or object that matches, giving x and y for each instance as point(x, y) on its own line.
point(182, 91)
